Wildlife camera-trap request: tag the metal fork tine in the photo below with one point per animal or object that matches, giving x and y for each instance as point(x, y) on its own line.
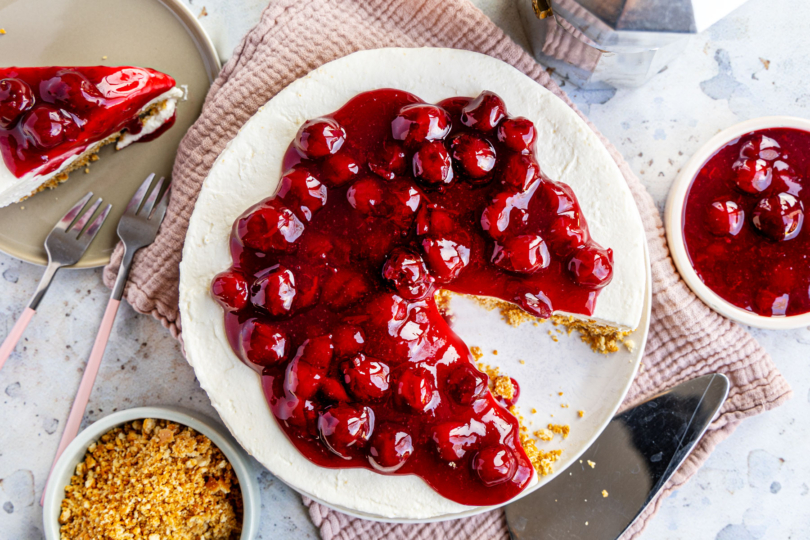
point(150, 202)
point(91, 231)
point(135, 201)
point(160, 209)
point(82, 221)
point(71, 214)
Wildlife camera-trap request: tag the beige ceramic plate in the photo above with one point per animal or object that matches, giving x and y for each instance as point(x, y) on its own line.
point(161, 34)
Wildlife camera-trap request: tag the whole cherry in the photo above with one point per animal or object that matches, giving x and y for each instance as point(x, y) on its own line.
point(779, 217)
point(446, 257)
point(407, 273)
point(420, 122)
point(71, 90)
point(47, 127)
point(344, 427)
point(725, 218)
point(591, 266)
point(485, 112)
point(389, 161)
point(495, 465)
point(366, 196)
point(415, 390)
point(523, 254)
point(390, 448)
point(520, 171)
point(752, 175)
point(274, 291)
point(518, 134)
point(432, 164)
point(302, 192)
point(231, 290)
point(16, 97)
point(269, 226)
point(454, 438)
point(320, 137)
point(465, 384)
point(474, 155)
point(339, 169)
point(366, 378)
point(263, 343)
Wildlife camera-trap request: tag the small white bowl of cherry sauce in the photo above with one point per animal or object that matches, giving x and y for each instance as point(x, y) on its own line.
point(736, 224)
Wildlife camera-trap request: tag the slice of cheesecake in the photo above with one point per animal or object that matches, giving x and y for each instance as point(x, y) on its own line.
point(54, 120)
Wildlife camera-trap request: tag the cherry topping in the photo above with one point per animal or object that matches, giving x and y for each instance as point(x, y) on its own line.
point(725, 218)
point(274, 291)
point(779, 217)
point(785, 178)
point(524, 254)
point(506, 211)
point(344, 289)
point(46, 126)
point(406, 271)
point(771, 304)
point(435, 220)
point(71, 89)
point(366, 196)
point(431, 164)
point(302, 192)
point(401, 203)
point(466, 384)
point(453, 439)
point(495, 465)
point(339, 169)
point(389, 161)
point(349, 340)
point(366, 378)
point(416, 390)
point(230, 288)
point(484, 112)
point(270, 226)
point(445, 257)
point(591, 266)
point(15, 98)
point(390, 447)
point(517, 134)
point(475, 156)
point(760, 147)
point(420, 122)
point(566, 235)
point(262, 343)
point(752, 175)
point(320, 137)
point(344, 427)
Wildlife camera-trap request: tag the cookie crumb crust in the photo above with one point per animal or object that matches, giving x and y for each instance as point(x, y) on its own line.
point(155, 480)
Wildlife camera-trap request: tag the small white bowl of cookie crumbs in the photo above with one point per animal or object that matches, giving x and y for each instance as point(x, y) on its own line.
point(152, 473)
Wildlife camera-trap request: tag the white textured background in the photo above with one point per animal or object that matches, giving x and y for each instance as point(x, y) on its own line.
point(755, 486)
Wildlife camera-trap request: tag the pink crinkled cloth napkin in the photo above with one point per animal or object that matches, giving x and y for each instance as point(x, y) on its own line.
point(687, 339)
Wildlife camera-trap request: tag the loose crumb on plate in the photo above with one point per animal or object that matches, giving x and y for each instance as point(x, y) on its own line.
point(477, 353)
point(591, 464)
point(604, 493)
point(152, 479)
point(560, 429)
point(2, 31)
point(581, 413)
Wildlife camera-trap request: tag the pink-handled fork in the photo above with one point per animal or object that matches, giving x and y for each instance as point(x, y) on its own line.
point(137, 229)
point(65, 245)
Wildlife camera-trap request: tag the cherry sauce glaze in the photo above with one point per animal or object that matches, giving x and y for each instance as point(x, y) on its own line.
point(744, 224)
point(330, 295)
point(49, 114)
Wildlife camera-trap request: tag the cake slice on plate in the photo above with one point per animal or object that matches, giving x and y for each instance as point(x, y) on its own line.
point(54, 119)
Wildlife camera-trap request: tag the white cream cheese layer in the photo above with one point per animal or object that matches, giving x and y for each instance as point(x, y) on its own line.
point(248, 171)
point(13, 189)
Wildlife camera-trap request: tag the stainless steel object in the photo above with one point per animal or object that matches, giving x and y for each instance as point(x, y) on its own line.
point(615, 43)
point(632, 460)
point(65, 245)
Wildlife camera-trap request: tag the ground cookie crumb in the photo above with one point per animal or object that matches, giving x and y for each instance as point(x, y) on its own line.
point(154, 480)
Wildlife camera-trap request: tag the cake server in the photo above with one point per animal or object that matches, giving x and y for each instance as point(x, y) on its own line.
point(65, 245)
point(599, 497)
point(137, 229)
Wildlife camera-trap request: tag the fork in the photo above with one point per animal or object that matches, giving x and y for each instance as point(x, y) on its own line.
point(137, 228)
point(65, 245)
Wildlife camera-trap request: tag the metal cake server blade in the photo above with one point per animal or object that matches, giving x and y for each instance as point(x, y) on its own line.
point(632, 460)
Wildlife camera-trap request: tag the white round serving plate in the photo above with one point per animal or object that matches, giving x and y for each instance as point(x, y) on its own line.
point(674, 215)
point(248, 171)
point(65, 467)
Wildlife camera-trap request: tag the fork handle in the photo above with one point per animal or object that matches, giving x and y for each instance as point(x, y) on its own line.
point(86, 386)
point(14, 336)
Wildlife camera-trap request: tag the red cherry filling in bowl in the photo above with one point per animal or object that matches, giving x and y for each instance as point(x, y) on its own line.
point(331, 293)
point(743, 222)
